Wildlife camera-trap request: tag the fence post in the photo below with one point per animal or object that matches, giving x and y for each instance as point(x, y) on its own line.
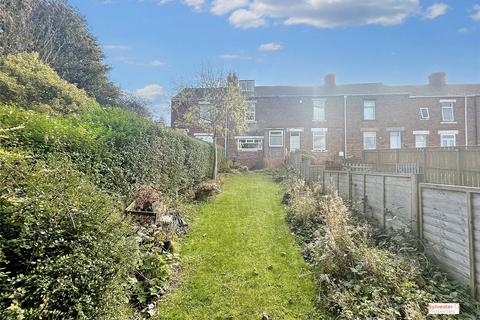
point(420, 211)
point(364, 193)
point(471, 246)
point(415, 197)
point(458, 180)
point(349, 186)
point(384, 209)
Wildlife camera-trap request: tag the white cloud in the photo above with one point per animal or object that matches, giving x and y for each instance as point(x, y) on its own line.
point(221, 7)
point(462, 30)
point(435, 10)
point(271, 46)
point(475, 12)
point(319, 13)
point(246, 19)
point(234, 56)
point(195, 4)
point(157, 63)
point(116, 47)
point(150, 92)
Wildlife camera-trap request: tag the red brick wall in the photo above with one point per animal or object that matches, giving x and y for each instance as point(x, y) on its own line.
point(392, 111)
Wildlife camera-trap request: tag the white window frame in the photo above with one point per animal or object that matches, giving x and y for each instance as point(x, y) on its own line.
point(249, 139)
point(204, 136)
point(204, 111)
point(369, 134)
point(448, 105)
point(421, 115)
point(319, 109)
point(444, 133)
point(251, 115)
point(276, 133)
point(395, 134)
point(369, 104)
point(424, 141)
point(322, 133)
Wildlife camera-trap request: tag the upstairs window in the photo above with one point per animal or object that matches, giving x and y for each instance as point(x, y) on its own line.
point(369, 140)
point(275, 138)
point(369, 107)
point(424, 113)
point(204, 110)
point(319, 110)
point(250, 115)
point(447, 112)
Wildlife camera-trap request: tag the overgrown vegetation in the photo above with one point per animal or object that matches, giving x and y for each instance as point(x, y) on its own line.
point(68, 166)
point(362, 272)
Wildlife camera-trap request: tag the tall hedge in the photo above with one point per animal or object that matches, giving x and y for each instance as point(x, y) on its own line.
point(116, 148)
point(66, 252)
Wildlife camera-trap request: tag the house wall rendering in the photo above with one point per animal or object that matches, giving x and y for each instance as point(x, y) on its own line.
point(343, 120)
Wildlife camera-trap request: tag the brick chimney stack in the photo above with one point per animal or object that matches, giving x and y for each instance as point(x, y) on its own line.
point(437, 79)
point(330, 80)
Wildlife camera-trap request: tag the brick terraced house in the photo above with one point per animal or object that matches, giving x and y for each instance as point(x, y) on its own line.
point(344, 119)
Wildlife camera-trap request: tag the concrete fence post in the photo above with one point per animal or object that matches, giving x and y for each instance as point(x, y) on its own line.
point(384, 207)
point(471, 246)
point(415, 200)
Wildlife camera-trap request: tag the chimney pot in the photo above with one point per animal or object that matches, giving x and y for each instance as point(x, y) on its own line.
point(330, 80)
point(437, 79)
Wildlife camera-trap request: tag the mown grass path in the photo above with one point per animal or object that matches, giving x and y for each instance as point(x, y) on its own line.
point(241, 261)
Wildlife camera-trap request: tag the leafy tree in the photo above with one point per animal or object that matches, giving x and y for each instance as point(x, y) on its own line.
point(60, 36)
point(213, 104)
point(31, 84)
point(135, 104)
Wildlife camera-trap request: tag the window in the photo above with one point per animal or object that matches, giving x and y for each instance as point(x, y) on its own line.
point(249, 144)
point(369, 110)
point(250, 111)
point(424, 113)
point(420, 141)
point(395, 139)
point(369, 140)
point(319, 139)
point(319, 110)
point(447, 140)
point(207, 137)
point(275, 138)
point(204, 110)
point(247, 87)
point(447, 112)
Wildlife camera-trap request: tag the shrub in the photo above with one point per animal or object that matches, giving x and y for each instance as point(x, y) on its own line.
point(66, 251)
point(31, 84)
point(364, 273)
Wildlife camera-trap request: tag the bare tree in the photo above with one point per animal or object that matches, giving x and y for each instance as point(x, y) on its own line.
point(214, 104)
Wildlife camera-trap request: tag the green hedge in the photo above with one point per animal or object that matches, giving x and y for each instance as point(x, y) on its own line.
point(66, 251)
point(116, 148)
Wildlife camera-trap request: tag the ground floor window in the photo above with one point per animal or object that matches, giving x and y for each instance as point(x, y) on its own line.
point(275, 138)
point(395, 139)
point(447, 140)
point(207, 137)
point(249, 144)
point(319, 139)
point(369, 140)
point(420, 141)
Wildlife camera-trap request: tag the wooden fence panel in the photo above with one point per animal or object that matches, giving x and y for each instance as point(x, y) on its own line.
point(445, 230)
point(398, 199)
point(374, 192)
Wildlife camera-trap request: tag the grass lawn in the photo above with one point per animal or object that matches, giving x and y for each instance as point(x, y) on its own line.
point(240, 259)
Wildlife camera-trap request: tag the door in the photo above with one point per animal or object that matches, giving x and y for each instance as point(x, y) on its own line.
point(294, 141)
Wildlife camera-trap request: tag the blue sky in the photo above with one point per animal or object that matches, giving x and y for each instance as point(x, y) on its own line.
point(155, 45)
